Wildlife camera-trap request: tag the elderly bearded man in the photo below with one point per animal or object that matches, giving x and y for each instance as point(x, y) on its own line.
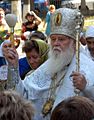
point(51, 82)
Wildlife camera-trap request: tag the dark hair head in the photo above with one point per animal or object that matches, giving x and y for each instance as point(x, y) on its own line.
point(14, 107)
point(38, 34)
point(37, 9)
point(29, 45)
point(74, 108)
point(28, 14)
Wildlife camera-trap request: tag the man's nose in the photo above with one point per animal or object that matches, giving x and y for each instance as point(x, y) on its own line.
point(56, 42)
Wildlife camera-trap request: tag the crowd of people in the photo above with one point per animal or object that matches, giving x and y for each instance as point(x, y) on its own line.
point(45, 84)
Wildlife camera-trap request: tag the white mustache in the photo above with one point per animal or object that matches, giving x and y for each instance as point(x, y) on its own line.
point(57, 48)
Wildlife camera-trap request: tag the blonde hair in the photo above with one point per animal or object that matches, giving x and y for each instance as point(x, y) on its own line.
point(52, 7)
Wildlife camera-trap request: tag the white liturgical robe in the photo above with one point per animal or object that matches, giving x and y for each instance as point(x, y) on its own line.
point(36, 86)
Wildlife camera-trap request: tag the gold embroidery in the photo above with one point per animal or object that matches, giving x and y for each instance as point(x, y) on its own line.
point(47, 107)
point(58, 19)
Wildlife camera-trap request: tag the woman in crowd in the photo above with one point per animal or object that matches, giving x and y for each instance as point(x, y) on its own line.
point(36, 51)
point(36, 54)
point(32, 22)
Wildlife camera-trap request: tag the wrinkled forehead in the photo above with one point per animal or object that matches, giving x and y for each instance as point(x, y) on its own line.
point(59, 35)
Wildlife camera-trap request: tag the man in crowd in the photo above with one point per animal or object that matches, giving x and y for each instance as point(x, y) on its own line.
point(90, 42)
point(51, 82)
point(89, 51)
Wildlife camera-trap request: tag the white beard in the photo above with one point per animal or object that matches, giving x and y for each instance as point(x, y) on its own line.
point(57, 61)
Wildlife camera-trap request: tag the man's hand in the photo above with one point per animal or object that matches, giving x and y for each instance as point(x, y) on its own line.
point(10, 54)
point(79, 80)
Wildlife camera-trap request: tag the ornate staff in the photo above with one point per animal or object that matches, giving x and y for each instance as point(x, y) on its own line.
point(78, 28)
point(11, 20)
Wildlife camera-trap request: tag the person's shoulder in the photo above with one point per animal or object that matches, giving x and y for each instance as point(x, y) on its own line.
point(42, 68)
point(24, 23)
point(30, 72)
point(24, 59)
point(40, 71)
point(86, 61)
point(39, 79)
point(23, 64)
point(48, 13)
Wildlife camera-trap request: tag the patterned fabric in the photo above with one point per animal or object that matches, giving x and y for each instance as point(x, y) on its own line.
point(13, 78)
point(86, 68)
point(64, 21)
point(35, 87)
